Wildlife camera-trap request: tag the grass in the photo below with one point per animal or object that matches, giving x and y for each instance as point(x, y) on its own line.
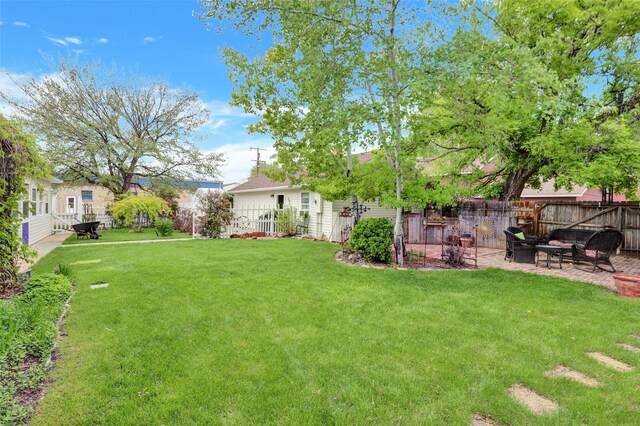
point(250, 331)
point(113, 235)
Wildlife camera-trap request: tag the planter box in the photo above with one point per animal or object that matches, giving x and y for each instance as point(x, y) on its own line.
point(627, 285)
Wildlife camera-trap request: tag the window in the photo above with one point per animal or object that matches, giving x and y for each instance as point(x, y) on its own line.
point(280, 201)
point(87, 196)
point(304, 203)
point(40, 203)
point(34, 201)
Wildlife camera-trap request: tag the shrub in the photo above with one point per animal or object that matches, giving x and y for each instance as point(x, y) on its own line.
point(184, 221)
point(217, 213)
point(372, 238)
point(164, 227)
point(286, 220)
point(64, 269)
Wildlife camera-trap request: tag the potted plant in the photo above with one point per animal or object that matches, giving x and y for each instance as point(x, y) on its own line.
point(627, 285)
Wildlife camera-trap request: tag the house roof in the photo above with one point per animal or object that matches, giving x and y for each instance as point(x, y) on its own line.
point(547, 190)
point(259, 183)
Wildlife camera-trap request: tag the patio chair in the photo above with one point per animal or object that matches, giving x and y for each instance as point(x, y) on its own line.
point(303, 224)
point(598, 249)
point(519, 249)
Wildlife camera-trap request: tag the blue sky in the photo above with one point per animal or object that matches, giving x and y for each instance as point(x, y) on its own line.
point(155, 38)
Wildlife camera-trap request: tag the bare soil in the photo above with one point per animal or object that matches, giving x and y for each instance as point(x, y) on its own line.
point(535, 403)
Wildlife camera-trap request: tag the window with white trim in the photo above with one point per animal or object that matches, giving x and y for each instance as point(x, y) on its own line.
point(304, 202)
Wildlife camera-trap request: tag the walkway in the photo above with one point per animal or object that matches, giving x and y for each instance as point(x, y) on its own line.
point(494, 258)
point(43, 247)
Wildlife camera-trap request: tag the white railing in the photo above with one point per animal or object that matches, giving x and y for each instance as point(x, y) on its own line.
point(62, 221)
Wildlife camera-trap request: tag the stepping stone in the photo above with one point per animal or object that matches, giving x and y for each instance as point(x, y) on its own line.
point(636, 336)
point(533, 402)
point(86, 262)
point(99, 285)
point(610, 362)
point(483, 421)
point(567, 373)
point(630, 348)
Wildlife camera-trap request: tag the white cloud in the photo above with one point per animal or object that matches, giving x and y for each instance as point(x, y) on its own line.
point(149, 39)
point(21, 24)
point(103, 40)
point(222, 109)
point(239, 155)
point(73, 40)
point(58, 41)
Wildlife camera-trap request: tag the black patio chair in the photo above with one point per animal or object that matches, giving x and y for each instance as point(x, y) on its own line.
point(518, 249)
point(598, 249)
point(303, 224)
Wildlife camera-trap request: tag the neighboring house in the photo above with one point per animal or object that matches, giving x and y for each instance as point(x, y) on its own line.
point(261, 194)
point(76, 199)
point(578, 193)
point(37, 209)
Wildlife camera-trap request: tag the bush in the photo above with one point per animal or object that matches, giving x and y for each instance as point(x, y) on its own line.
point(286, 220)
point(28, 328)
point(372, 238)
point(217, 213)
point(164, 227)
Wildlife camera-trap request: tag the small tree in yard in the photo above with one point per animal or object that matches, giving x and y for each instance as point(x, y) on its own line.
point(18, 158)
point(217, 213)
point(131, 208)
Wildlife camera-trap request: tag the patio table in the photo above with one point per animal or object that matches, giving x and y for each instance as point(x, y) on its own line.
point(552, 251)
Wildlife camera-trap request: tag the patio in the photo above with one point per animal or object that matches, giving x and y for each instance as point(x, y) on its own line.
point(494, 258)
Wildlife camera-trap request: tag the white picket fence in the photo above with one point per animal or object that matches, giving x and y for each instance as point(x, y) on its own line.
point(265, 218)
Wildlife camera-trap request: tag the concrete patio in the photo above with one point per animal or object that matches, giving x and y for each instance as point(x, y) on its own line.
point(494, 258)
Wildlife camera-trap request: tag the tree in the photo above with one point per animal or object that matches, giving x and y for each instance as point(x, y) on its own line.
point(265, 169)
point(19, 158)
point(132, 209)
point(340, 75)
point(538, 90)
point(99, 129)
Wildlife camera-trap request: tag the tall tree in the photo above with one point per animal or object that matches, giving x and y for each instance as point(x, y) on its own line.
point(339, 75)
point(539, 90)
point(97, 128)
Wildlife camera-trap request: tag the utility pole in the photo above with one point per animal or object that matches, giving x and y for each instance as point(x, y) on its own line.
point(257, 160)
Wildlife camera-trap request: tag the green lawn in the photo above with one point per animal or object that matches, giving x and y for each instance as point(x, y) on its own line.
point(112, 235)
point(249, 331)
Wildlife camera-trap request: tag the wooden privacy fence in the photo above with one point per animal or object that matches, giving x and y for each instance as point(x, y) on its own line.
point(537, 218)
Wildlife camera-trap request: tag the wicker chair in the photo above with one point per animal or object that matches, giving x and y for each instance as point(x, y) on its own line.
point(598, 249)
point(519, 250)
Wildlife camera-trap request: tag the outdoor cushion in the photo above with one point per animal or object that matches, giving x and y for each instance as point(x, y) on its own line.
point(519, 235)
point(559, 243)
point(596, 253)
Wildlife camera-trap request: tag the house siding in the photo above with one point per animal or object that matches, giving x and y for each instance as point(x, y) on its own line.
point(40, 222)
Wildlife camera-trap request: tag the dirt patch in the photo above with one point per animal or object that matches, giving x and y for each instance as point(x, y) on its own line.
point(630, 348)
point(483, 421)
point(566, 372)
point(533, 402)
point(610, 362)
point(636, 336)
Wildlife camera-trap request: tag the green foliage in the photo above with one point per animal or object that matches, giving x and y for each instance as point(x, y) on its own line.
point(168, 193)
point(132, 209)
point(164, 227)
point(372, 237)
point(64, 269)
point(19, 158)
point(216, 209)
point(286, 220)
point(537, 92)
point(28, 328)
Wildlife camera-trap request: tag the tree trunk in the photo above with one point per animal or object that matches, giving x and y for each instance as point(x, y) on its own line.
point(514, 184)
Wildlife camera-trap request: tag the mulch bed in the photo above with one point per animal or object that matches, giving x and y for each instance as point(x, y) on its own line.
point(417, 263)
